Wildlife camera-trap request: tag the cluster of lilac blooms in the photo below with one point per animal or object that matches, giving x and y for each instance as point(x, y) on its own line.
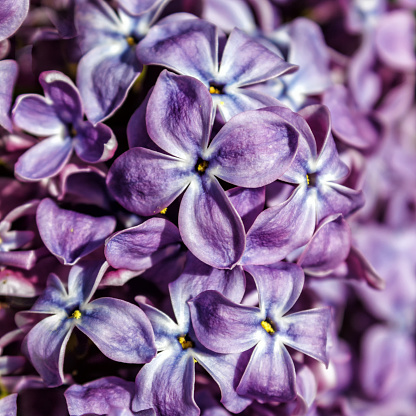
point(207, 207)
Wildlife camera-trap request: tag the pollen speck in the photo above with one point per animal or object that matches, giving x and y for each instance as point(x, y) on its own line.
point(130, 40)
point(222, 102)
point(214, 90)
point(1, 240)
point(185, 343)
point(164, 210)
point(71, 230)
point(201, 167)
point(267, 327)
point(76, 314)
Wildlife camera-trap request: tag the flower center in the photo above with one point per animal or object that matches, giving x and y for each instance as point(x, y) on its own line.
point(311, 179)
point(215, 88)
point(76, 314)
point(268, 326)
point(185, 342)
point(201, 166)
point(131, 41)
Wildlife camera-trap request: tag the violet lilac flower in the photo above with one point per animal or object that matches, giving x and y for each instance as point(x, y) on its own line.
point(223, 326)
point(251, 150)
point(119, 329)
point(173, 369)
point(8, 75)
point(190, 47)
point(59, 117)
point(108, 41)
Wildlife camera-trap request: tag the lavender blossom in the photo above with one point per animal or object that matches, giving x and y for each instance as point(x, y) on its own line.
point(119, 329)
point(251, 150)
point(59, 117)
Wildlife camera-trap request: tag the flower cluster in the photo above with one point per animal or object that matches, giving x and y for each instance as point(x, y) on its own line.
point(207, 207)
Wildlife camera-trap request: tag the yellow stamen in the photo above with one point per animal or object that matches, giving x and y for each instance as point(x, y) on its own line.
point(214, 90)
point(72, 230)
point(163, 211)
point(307, 179)
point(130, 40)
point(221, 102)
point(202, 166)
point(1, 240)
point(185, 344)
point(76, 315)
point(267, 327)
point(3, 391)
point(73, 132)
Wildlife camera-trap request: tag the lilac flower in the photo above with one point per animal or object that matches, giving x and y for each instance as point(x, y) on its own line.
point(306, 48)
point(59, 117)
point(119, 329)
point(173, 369)
point(12, 14)
point(109, 66)
point(223, 326)
point(190, 47)
point(251, 150)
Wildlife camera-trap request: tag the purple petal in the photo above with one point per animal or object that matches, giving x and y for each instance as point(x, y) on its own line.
point(249, 203)
point(226, 370)
point(308, 50)
point(138, 8)
point(12, 15)
point(279, 287)
point(253, 149)
point(97, 24)
point(99, 396)
point(333, 198)
point(64, 95)
point(394, 40)
point(137, 135)
point(140, 247)
point(348, 123)
point(36, 115)
point(307, 332)
point(166, 331)
point(46, 344)
point(246, 61)
point(179, 115)
point(328, 248)
point(173, 372)
point(188, 47)
point(270, 374)
point(15, 283)
point(84, 278)
point(44, 159)
point(24, 259)
point(119, 329)
point(209, 225)
point(53, 299)
point(70, 235)
point(238, 100)
point(8, 405)
point(145, 182)
point(281, 229)
point(198, 277)
point(223, 326)
point(94, 144)
point(8, 74)
point(104, 77)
